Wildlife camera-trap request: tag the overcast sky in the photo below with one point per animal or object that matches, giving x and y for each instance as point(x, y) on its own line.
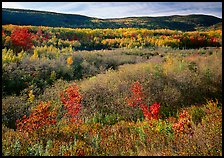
point(122, 9)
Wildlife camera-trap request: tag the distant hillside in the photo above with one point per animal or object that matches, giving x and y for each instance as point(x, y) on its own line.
point(43, 18)
point(217, 26)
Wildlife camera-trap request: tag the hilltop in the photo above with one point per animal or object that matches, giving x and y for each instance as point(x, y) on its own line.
point(44, 18)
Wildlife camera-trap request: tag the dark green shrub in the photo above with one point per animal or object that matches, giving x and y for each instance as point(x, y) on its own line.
point(14, 108)
point(197, 115)
point(192, 66)
point(109, 119)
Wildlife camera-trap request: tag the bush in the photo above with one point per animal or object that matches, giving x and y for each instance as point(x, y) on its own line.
point(197, 115)
point(13, 108)
point(18, 76)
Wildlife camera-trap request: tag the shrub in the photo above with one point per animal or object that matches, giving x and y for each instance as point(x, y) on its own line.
point(183, 126)
point(137, 99)
point(197, 115)
point(40, 116)
point(18, 76)
point(72, 102)
point(14, 143)
point(13, 108)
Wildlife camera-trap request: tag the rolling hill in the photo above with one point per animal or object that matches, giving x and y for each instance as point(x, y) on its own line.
point(43, 18)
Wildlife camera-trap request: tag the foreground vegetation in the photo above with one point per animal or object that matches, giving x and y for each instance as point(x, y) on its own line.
point(195, 131)
point(59, 100)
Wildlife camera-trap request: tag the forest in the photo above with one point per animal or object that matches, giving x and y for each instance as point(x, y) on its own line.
point(112, 91)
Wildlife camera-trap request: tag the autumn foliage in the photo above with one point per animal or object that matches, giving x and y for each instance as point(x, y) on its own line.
point(22, 38)
point(40, 116)
point(137, 99)
point(96, 121)
point(137, 95)
point(110, 38)
point(72, 101)
point(184, 125)
point(43, 115)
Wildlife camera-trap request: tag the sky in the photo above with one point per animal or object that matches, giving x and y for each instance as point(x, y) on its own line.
point(106, 10)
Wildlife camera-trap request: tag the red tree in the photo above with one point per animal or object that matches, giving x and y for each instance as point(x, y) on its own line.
point(21, 39)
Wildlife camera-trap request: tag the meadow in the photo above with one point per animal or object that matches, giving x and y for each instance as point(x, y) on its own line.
point(126, 92)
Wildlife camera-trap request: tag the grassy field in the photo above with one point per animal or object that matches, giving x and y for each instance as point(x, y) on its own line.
point(143, 101)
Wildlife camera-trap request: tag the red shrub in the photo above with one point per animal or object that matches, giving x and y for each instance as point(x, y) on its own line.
point(75, 37)
point(138, 99)
point(3, 33)
point(72, 101)
point(154, 108)
point(183, 126)
point(40, 116)
point(145, 109)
